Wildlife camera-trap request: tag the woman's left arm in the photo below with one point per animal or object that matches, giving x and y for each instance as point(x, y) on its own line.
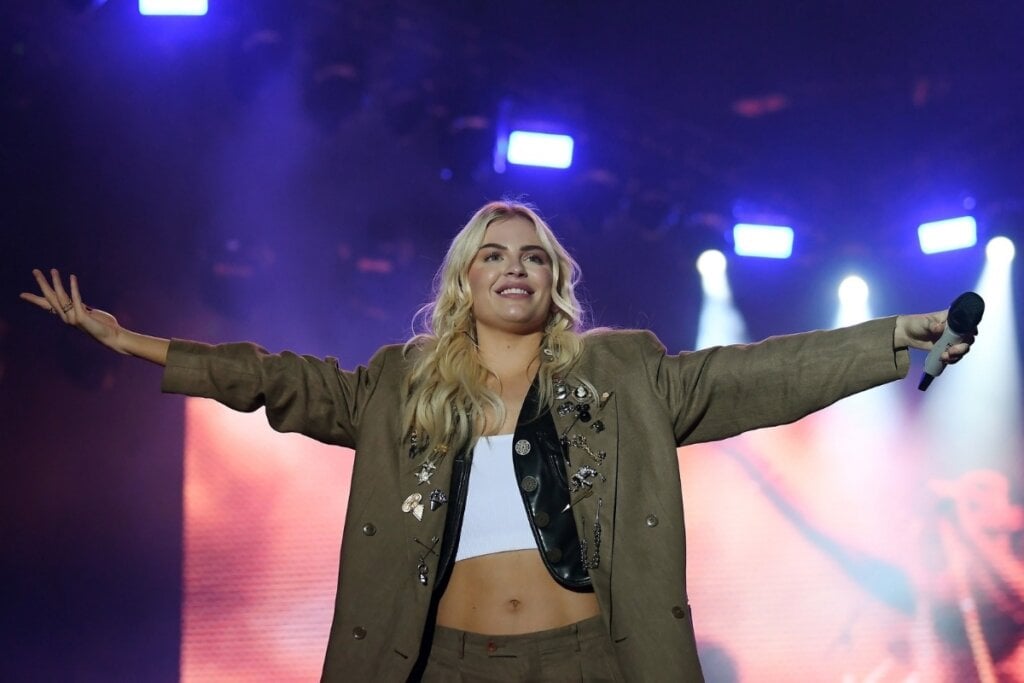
point(720, 392)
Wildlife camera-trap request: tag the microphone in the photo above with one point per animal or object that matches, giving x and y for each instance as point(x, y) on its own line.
point(964, 315)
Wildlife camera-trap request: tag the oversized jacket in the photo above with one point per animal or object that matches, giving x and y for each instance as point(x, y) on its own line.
point(650, 402)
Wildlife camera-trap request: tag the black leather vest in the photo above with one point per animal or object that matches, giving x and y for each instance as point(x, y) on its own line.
point(540, 466)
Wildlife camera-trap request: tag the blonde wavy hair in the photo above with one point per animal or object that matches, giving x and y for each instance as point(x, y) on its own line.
point(446, 391)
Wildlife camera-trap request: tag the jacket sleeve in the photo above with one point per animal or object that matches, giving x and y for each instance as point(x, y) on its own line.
point(302, 394)
point(723, 391)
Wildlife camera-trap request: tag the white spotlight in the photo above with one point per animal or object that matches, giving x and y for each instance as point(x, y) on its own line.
point(853, 301)
point(711, 263)
point(1000, 250)
point(711, 266)
point(853, 291)
point(720, 322)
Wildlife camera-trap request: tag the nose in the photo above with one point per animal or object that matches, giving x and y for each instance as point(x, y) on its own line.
point(516, 267)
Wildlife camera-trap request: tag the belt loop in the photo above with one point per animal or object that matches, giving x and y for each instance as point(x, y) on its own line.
point(579, 638)
point(462, 644)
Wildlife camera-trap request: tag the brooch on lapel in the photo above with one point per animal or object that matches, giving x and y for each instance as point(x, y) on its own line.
point(430, 462)
point(595, 562)
point(422, 570)
point(577, 402)
point(414, 503)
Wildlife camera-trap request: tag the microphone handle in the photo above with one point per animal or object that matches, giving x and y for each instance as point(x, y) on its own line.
point(933, 365)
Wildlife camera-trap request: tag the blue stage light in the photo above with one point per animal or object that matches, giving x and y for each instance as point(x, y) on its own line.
point(193, 8)
point(764, 241)
point(539, 149)
point(947, 235)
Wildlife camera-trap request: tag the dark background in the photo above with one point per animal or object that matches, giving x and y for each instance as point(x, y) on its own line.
point(291, 172)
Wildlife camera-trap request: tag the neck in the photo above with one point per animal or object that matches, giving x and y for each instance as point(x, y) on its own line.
point(508, 354)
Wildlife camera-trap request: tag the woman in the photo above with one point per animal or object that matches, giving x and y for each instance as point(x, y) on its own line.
point(515, 510)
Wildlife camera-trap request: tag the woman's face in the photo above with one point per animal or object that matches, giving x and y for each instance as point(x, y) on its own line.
point(510, 279)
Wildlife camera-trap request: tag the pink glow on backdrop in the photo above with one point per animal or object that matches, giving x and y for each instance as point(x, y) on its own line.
point(817, 552)
point(263, 519)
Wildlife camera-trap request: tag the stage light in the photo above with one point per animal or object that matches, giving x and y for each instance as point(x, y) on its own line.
point(173, 7)
point(711, 266)
point(549, 150)
point(711, 263)
point(1000, 250)
point(947, 235)
point(854, 306)
point(985, 430)
point(720, 322)
point(853, 291)
point(764, 241)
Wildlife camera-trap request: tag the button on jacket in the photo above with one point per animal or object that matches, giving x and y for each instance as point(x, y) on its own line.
point(648, 404)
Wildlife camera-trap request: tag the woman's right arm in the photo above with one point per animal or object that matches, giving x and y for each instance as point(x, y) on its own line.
point(303, 394)
point(100, 325)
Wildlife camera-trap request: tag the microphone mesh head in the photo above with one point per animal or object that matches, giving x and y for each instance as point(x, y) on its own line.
point(965, 313)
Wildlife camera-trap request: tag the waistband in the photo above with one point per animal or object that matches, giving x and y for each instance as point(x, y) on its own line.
point(569, 638)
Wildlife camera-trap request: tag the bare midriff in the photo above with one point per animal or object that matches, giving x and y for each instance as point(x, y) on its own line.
point(510, 593)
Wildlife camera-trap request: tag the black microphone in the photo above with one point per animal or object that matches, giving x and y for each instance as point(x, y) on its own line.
point(964, 315)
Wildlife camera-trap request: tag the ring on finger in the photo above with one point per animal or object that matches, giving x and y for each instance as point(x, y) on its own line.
point(53, 310)
point(67, 307)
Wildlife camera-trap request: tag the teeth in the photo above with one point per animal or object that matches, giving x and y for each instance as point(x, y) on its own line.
point(514, 290)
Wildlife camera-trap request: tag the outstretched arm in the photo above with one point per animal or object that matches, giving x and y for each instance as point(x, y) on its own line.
point(100, 325)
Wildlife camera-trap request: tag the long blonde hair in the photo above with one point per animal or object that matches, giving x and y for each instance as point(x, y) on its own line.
point(446, 391)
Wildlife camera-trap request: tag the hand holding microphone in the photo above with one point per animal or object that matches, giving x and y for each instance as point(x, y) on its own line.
point(961, 324)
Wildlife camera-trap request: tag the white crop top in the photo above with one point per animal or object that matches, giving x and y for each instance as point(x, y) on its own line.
point(495, 518)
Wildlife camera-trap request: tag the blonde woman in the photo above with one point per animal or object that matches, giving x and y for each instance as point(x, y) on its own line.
point(515, 510)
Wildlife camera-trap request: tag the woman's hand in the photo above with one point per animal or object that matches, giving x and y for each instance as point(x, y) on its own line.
point(102, 326)
point(923, 330)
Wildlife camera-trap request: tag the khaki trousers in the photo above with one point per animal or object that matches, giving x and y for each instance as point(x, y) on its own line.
point(576, 653)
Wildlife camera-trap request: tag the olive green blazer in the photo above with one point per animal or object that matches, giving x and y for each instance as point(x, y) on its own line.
point(649, 403)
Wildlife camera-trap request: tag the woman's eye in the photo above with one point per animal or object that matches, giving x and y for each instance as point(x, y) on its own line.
point(536, 258)
point(493, 256)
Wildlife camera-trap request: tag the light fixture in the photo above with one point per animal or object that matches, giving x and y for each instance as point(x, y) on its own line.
point(763, 241)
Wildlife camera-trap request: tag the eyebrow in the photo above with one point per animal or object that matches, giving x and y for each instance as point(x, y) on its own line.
point(528, 247)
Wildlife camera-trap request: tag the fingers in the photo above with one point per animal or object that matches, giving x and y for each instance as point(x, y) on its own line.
point(63, 299)
point(957, 351)
point(58, 286)
point(48, 294)
point(37, 300)
point(76, 297)
point(54, 298)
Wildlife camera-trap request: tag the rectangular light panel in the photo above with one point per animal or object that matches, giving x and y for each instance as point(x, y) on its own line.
point(948, 235)
point(192, 8)
point(764, 241)
point(539, 149)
